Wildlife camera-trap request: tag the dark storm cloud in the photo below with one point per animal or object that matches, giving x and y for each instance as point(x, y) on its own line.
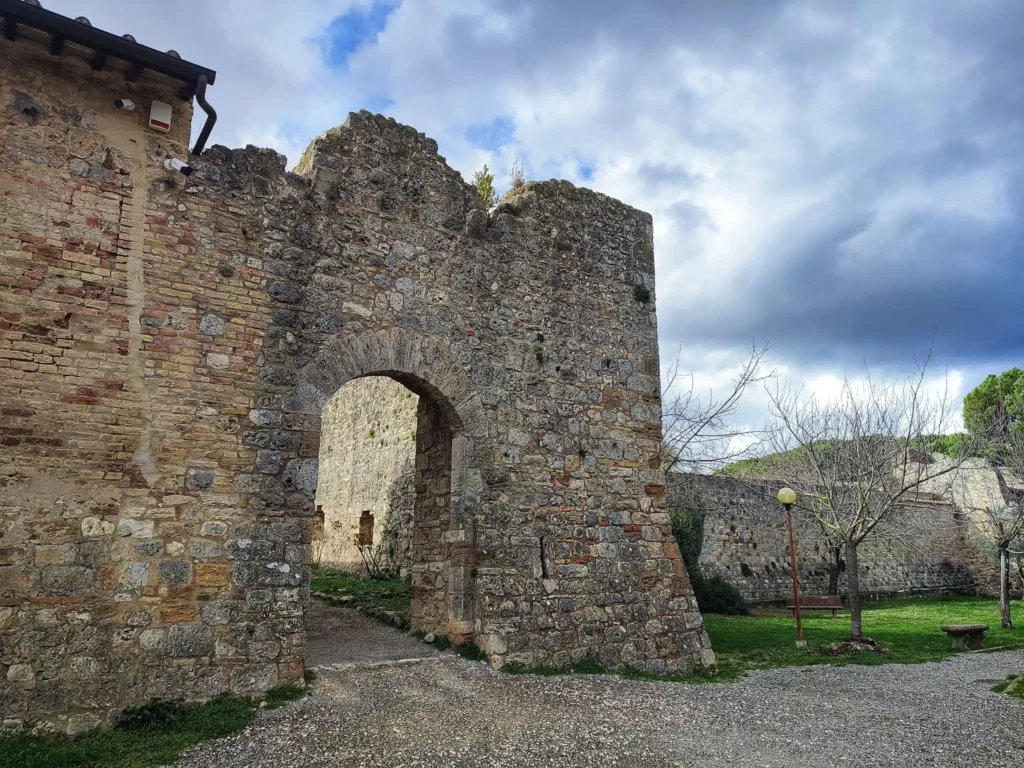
point(896, 125)
point(900, 246)
point(818, 298)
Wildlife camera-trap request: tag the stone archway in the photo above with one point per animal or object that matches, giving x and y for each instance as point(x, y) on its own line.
point(448, 484)
point(173, 554)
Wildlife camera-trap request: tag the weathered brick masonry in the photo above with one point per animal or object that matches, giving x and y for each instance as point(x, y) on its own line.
point(166, 347)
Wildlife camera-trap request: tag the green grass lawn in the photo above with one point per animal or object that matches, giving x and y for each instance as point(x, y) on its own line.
point(387, 594)
point(909, 628)
point(155, 736)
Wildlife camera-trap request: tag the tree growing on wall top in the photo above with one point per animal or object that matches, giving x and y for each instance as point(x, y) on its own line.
point(483, 180)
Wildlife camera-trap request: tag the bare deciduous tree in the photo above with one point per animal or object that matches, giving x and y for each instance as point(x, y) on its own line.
point(699, 435)
point(1000, 527)
point(1006, 527)
point(857, 461)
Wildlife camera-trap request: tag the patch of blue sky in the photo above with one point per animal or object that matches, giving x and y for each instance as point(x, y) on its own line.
point(361, 25)
point(491, 136)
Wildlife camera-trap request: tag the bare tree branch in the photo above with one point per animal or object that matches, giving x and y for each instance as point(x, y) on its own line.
point(859, 463)
point(699, 435)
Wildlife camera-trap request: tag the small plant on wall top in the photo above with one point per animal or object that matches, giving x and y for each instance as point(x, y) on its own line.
point(483, 180)
point(641, 294)
point(372, 431)
point(517, 177)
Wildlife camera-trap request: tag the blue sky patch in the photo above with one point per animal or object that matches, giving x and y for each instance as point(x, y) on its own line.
point(493, 135)
point(360, 25)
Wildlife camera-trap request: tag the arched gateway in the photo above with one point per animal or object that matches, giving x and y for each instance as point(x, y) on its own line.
point(448, 481)
point(169, 342)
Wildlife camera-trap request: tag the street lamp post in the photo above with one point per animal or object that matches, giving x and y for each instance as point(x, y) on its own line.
point(787, 497)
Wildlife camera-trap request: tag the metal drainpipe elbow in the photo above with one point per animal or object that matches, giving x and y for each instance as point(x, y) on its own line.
point(211, 116)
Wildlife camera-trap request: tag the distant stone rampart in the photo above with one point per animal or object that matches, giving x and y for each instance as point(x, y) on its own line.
point(745, 541)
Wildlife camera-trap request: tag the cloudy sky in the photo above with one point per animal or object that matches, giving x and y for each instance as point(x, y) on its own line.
point(843, 181)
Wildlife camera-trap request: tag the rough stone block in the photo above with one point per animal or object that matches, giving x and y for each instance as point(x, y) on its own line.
point(212, 325)
point(152, 639)
point(218, 360)
point(203, 549)
point(213, 575)
point(134, 575)
point(81, 723)
point(94, 526)
point(176, 573)
point(185, 640)
point(214, 528)
point(300, 475)
point(67, 579)
point(199, 479)
point(21, 674)
point(254, 678)
point(268, 462)
point(136, 529)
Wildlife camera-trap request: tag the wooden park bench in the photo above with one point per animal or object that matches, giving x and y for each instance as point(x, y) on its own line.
point(818, 603)
point(966, 636)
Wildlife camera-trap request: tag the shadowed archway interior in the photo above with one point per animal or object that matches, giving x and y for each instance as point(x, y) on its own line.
point(384, 489)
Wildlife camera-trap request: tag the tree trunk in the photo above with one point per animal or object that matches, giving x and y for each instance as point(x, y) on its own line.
point(833, 570)
point(1004, 588)
point(853, 586)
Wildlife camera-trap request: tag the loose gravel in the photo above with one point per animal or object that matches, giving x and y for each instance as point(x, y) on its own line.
point(446, 711)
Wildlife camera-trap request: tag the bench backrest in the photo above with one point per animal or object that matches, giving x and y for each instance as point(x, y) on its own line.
point(820, 601)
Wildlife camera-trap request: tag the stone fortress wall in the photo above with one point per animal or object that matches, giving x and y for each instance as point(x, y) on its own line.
point(745, 541)
point(367, 464)
point(167, 344)
point(744, 534)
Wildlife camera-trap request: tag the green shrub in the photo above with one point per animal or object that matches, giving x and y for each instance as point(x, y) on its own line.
point(483, 180)
point(688, 528)
point(955, 445)
point(157, 715)
point(641, 294)
point(714, 594)
point(589, 666)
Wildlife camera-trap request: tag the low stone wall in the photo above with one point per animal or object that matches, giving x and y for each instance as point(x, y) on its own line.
point(745, 541)
point(367, 455)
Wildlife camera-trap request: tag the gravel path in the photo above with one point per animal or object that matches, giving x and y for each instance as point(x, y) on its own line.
point(450, 712)
point(343, 636)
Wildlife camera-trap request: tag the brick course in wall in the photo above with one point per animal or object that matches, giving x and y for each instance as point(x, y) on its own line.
point(167, 345)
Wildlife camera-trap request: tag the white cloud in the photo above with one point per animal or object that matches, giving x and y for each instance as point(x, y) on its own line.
point(832, 179)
